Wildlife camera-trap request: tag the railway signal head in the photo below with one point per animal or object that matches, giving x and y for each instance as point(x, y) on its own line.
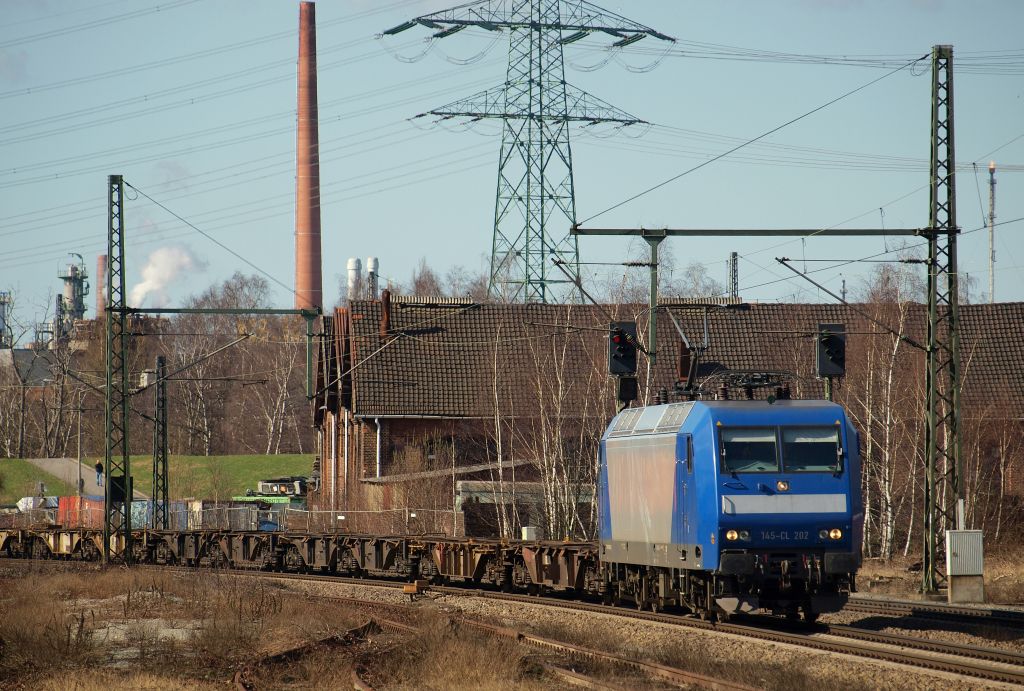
point(622, 349)
point(831, 350)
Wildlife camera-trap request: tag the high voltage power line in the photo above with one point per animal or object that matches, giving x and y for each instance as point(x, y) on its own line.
point(661, 141)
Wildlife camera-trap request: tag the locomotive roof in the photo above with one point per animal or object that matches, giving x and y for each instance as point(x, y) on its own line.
point(669, 418)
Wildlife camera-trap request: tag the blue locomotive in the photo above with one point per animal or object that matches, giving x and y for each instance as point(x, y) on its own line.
point(731, 506)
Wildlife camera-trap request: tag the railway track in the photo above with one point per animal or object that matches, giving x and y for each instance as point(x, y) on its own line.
point(939, 656)
point(977, 616)
point(972, 661)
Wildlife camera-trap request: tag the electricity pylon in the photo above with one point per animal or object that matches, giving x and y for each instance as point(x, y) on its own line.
point(535, 204)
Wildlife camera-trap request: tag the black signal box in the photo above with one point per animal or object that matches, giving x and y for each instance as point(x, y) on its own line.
point(120, 489)
point(831, 350)
point(622, 347)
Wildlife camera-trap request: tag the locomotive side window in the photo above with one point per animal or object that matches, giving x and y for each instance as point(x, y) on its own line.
point(749, 450)
point(811, 449)
point(689, 453)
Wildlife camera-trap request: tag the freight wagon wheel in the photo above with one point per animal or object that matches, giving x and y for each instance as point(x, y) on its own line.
point(164, 554)
point(91, 551)
point(40, 550)
point(217, 559)
point(292, 559)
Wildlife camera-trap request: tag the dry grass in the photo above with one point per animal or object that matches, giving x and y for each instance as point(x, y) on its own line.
point(187, 630)
point(443, 655)
point(1004, 577)
point(691, 654)
point(901, 577)
point(43, 633)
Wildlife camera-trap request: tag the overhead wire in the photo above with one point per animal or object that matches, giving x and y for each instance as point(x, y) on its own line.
point(750, 141)
point(870, 256)
point(103, 21)
point(12, 257)
point(1007, 62)
point(187, 57)
point(326, 121)
point(1022, 135)
point(212, 239)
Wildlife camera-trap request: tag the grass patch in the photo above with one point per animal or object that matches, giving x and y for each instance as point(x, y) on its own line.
point(21, 479)
point(215, 477)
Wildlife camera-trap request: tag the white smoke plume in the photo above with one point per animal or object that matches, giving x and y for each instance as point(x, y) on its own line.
point(163, 267)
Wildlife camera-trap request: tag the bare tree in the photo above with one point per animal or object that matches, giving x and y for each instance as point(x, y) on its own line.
point(273, 367)
point(460, 282)
point(206, 391)
point(424, 280)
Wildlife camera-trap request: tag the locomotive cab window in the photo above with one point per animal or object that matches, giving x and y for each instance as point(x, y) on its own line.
point(751, 450)
point(811, 449)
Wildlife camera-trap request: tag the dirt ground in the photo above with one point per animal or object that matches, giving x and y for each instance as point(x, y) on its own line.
point(901, 577)
point(91, 629)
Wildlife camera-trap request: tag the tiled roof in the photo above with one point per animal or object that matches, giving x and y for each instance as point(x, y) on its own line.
point(466, 360)
point(450, 360)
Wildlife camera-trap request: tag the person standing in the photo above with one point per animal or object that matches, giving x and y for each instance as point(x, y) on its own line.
point(99, 473)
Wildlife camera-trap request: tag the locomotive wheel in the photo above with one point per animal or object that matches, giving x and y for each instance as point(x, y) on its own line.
point(810, 616)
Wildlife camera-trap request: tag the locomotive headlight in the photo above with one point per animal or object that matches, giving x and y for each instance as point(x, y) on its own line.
point(731, 535)
point(835, 533)
point(782, 485)
point(823, 534)
point(744, 535)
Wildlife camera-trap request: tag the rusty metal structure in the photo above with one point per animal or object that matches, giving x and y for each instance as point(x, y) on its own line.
point(308, 268)
point(527, 565)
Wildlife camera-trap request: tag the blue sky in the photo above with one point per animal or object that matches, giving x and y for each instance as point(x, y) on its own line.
point(194, 103)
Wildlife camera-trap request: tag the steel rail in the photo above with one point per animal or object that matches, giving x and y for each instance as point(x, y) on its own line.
point(979, 616)
point(1006, 657)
